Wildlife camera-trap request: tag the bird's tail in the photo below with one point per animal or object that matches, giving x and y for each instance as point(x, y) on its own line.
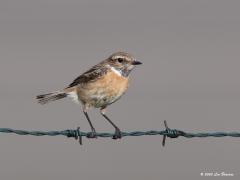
point(46, 98)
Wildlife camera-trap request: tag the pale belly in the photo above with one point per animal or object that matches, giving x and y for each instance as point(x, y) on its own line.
point(100, 98)
point(103, 92)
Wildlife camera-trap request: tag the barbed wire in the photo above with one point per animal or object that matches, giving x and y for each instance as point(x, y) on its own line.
point(77, 134)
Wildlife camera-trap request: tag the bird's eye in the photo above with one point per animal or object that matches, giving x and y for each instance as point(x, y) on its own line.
point(120, 60)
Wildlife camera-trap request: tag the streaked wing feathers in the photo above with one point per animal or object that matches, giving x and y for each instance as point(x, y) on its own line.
point(91, 75)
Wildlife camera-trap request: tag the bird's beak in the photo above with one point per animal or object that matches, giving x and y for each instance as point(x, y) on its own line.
point(136, 62)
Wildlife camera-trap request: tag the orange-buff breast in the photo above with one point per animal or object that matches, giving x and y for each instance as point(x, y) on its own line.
point(104, 91)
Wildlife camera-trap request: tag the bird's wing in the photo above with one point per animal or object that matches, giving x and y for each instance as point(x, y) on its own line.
point(91, 75)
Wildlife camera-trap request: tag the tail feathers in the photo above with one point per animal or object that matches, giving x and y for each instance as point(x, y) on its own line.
point(46, 98)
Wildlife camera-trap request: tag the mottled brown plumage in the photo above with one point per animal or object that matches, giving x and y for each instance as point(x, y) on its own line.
point(91, 75)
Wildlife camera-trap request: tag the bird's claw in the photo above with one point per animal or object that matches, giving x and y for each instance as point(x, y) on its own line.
point(92, 134)
point(117, 135)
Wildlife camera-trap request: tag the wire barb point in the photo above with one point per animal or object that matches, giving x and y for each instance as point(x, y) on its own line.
point(171, 133)
point(79, 136)
point(75, 134)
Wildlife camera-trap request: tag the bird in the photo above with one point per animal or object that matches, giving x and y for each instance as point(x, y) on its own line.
point(99, 87)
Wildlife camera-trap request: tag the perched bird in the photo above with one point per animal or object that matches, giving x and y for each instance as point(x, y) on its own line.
point(98, 87)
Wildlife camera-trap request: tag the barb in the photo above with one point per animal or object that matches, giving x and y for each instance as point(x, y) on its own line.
point(77, 134)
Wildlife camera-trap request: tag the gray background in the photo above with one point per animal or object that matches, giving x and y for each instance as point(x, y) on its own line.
point(190, 77)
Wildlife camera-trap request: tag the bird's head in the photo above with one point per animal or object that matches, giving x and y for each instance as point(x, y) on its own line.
point(123, 62)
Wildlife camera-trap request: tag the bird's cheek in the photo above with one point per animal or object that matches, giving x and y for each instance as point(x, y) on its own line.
point(130, 67)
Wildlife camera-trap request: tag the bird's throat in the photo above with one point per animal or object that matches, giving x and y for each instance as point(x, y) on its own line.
point(121, 72)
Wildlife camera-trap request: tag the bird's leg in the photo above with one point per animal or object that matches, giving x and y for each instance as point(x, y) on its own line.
point(93, 133)
point(118, 134)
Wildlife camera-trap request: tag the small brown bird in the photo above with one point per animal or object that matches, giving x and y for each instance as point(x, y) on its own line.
point(99, 87)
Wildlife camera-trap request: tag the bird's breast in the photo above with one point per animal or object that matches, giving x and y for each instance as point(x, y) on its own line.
point(104, 91)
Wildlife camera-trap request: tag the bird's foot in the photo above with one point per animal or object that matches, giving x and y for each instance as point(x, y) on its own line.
point(92, 134)
point(118, 134)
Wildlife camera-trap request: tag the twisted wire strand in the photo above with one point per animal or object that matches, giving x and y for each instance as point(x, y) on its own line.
point(77, 134)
